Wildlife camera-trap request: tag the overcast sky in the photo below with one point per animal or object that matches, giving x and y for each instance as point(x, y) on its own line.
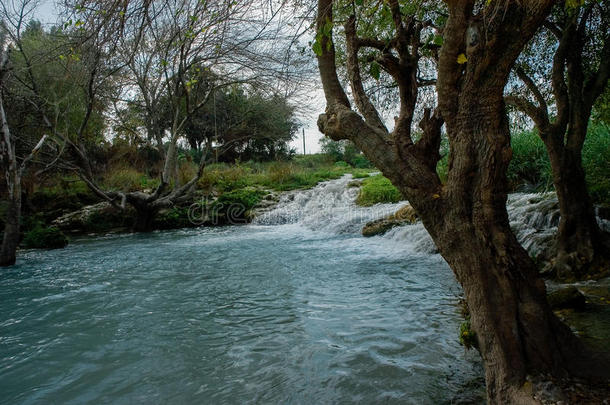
point(47, 14)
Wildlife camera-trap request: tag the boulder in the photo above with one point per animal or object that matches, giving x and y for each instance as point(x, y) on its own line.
point(95, 218)
point(404, 216)
point(567, 298)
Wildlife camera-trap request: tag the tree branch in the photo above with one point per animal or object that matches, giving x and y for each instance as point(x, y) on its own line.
point(366, 108)
point(326, 60)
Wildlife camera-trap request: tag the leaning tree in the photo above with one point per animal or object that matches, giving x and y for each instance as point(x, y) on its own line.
point(578, 73)
point(517, 333)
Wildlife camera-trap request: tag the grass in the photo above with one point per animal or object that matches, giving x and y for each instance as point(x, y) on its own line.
point(596, 162)
point(129, 179)
point(299, 173)
point(530, 162)
point(378, 189)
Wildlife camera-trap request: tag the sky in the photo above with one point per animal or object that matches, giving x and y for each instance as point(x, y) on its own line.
point(315, 106)
point(47, 14)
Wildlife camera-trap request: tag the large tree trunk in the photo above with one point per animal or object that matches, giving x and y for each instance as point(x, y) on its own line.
point(579, 238)
point(517, 332)
point(144, 219)
point(10, 240)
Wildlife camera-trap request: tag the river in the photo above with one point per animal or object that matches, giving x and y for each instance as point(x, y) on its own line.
point(296, 308)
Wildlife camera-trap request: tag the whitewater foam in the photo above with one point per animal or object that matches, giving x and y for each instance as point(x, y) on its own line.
point(330, 207)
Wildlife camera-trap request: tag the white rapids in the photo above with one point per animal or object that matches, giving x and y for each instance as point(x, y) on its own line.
point(330, 207)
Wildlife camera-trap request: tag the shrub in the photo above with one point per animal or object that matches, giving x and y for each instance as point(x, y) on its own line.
point(468, 338)
point(360, 174)
point(530, 162)
point(45, 238)
point(596, 162)
point(360, 161)
point(173, 218)
point(107, 219)
point(245, 197)
point(377, 189)
point(280, 172)
point(126, 179)
point(313, 161)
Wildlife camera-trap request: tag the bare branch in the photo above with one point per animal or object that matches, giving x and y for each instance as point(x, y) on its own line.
point(366, 108)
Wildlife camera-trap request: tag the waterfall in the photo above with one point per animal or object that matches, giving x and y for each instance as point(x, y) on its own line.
point(330, 207)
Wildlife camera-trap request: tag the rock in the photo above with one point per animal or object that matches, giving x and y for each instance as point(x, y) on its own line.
point(95, 218)
point(354, 183)
point(266, 204)
point(567, 298)
point(404, 216)
point(603, 213)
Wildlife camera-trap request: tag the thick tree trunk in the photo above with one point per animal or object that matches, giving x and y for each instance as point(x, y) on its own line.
point(12, 227)
point(517, 332)
point(145, 216)
point(579, 238)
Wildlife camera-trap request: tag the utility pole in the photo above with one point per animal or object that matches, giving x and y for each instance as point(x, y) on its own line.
point(303, 141)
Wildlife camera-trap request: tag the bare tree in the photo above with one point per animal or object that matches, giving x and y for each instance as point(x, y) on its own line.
point(172, 55)
point(13, 165)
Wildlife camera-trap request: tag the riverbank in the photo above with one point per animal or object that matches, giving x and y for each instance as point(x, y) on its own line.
point(226, 193)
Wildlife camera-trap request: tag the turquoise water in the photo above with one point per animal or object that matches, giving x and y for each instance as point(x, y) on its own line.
point(245, 314)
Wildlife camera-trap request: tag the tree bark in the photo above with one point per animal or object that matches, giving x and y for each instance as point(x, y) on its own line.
point(518, 334)
point(579, 239)
point(10, 240)
point(145, 216)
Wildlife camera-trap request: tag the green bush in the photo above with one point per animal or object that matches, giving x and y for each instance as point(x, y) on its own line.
point(301, 172)
point(377, 189)
point(107, 219)
point(246, 197)
point(313, 161)
point(468, 338)
point(596, 162)
point(45, 238)
point(360, 161)
point(530, 163)
point(128, 179)
point(174, 218)
point(360, 174)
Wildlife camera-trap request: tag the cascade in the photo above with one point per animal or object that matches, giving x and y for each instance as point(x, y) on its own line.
point(330, 207)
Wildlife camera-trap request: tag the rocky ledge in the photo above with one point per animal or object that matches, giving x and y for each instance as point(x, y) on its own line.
point(404, 216)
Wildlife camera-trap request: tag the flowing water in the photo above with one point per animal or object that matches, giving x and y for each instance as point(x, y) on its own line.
point(296, 308)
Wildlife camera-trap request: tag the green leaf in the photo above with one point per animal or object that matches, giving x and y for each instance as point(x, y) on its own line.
point(359, 2)
point(438, 40)
point(375, 70)
point(317, 48)
point(574, 3)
